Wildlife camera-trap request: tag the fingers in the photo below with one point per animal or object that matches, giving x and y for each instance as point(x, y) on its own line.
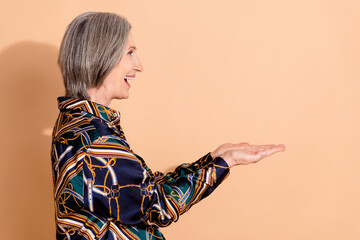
point(249, 153)
point(275, 149)
point(269, 150)
point(257, 148)
point(262, 151)
point(245, 153)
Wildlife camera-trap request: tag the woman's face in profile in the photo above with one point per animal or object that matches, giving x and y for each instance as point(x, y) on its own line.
point(115, 85)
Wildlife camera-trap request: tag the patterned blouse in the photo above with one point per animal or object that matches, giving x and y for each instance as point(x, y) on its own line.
point(103, 190)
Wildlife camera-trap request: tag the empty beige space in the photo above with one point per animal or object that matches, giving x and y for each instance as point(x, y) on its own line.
point(214, 72)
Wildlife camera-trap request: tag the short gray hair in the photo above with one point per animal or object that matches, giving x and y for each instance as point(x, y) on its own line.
point(92, 45)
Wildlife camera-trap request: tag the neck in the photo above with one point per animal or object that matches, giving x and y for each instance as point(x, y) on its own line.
point(97, 95)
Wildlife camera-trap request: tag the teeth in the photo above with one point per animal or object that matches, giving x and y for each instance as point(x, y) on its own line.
point(129, 78)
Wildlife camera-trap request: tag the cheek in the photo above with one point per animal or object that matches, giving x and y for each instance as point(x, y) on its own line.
point(126, 66)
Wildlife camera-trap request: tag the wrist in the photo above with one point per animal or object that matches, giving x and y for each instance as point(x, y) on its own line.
point(228, 158)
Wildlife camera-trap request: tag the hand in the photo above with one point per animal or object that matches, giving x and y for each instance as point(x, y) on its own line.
point(242, 154)
point(226, 147)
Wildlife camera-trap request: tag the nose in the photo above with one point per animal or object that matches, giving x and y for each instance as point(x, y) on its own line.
point(138, 65)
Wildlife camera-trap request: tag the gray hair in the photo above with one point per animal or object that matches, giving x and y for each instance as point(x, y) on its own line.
point(92, 45)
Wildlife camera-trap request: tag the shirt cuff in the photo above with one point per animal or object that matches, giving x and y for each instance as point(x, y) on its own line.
point(221, 162)
point(219, 171)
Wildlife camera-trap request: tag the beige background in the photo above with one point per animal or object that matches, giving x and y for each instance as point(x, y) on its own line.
point(214, 72)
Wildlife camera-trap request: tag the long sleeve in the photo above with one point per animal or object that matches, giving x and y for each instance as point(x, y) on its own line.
point(119, 185)
point(103, 190)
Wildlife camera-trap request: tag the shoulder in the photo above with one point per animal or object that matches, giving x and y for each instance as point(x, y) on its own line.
point(80, 129)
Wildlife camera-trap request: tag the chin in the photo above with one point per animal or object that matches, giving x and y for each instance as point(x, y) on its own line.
point(125, 96)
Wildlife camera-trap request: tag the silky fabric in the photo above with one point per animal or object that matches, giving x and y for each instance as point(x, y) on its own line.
point(103, 190)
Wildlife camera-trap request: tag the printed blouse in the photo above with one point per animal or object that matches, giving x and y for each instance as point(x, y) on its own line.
point(103, 190)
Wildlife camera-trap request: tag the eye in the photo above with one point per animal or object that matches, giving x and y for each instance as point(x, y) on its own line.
point(130, 52)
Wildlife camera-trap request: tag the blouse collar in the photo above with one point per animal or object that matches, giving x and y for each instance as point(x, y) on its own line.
point(93, 108)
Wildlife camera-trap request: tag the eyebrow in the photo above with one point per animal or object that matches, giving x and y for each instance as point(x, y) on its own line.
point(132, 47)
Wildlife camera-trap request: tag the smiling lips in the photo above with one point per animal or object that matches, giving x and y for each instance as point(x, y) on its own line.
point(129, 77)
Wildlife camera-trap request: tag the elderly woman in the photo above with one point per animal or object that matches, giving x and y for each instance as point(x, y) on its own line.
point(102, 188)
